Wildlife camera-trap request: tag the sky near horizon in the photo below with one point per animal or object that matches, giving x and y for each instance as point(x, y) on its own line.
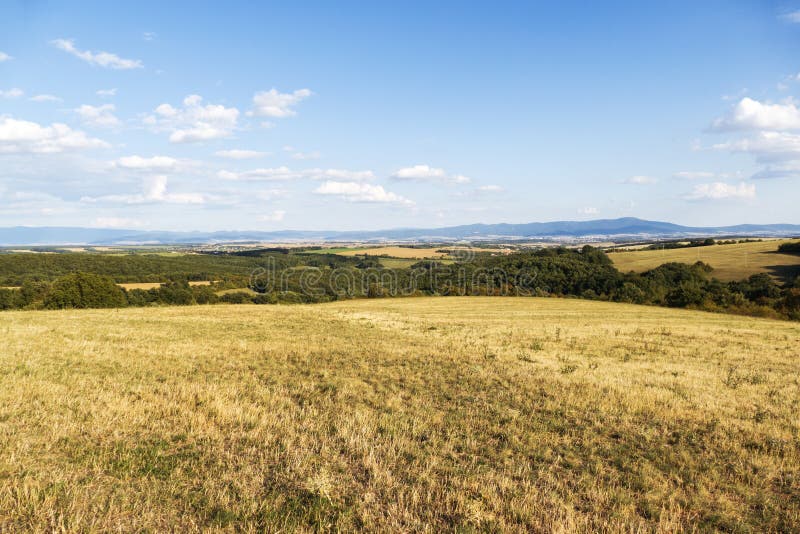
point(361, 115)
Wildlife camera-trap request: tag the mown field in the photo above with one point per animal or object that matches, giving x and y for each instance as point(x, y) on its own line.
point(418, 414)
point(730, 262)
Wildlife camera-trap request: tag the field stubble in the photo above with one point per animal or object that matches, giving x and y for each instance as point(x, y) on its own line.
point(407, 414)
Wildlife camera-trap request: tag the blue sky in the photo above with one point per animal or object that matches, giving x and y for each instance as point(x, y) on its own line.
point(357, 115)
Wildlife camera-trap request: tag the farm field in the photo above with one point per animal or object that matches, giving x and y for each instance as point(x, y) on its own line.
point(459, 413)
point(392, 251)
point(730, 262)
point(153, 285)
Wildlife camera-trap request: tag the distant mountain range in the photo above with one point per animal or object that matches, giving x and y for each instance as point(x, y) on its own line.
point(628, 227)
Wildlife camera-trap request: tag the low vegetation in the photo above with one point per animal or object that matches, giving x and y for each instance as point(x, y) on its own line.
point(426, 414)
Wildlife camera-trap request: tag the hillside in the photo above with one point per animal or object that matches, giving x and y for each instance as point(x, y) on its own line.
point(730, 262)
point(394, 415)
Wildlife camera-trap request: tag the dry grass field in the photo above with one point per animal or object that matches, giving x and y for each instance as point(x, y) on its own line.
point(419, 414)
point(396, 252)
point(154, 285)
point(730, 262)
point(140, 285)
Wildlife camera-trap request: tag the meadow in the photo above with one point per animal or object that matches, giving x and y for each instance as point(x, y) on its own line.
point(730, 262)
point(417, 414)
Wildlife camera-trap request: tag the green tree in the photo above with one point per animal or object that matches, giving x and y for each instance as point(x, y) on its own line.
point(84, 290)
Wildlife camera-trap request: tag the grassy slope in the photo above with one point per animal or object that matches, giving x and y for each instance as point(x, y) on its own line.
point(730, 262)
point(407, 414)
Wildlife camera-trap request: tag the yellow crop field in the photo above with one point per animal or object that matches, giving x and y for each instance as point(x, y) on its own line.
point(396, 252)
point(140, 285)
point(730, 262)
point(418, 414)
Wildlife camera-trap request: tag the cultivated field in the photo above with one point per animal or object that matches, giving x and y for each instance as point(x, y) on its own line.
point(418, 414)
point(394, 252)
point(730, 262)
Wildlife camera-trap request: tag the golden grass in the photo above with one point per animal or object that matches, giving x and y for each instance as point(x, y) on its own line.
point(396, 252)
point(245, 290)
point(730, 262)
point(154, 285)
point(418, 414)
point(140, 285)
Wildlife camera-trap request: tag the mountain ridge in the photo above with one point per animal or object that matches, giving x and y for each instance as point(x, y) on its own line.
point(621, 227)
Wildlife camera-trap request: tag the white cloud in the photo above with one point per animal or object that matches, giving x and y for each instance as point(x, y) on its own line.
point(793, 16)
point(766, 146)
point(275, 216)
point(306, 155)
point(12, 93)
point(106, 93)
point(240, 154)
point(279, 105)
point(103, 59)
point(641, 180)
point(588, 211)
point(751, 114)
point(490, 189)
point(98, 116)
point(693, 175)
point(194, 122)
point(789, 169)
point(152, 164)
point(285, 173)
point(155, 191)
point(45, 98)
point(426, 173)
point(5, 57)
point(721, 191)
point(361, 192)
point(18, 136)
point(149, 36)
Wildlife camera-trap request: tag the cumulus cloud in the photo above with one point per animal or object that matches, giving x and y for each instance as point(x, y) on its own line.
point(102, 59)
point(240, 154)
point(45, 98)
point(152, 164)
point(275, 216)
point(5, 57)
point(98, 116)
point(721, 191)
point(276, 104)
point(194, 122)
point(766, 146)
point(751, 114)
point(155, 191)
point(18, 136)
point(285, 173)
point(426, 173)
point(12, 93)
point(789, 169)
point(641, 180)
point(361, 192)
point(106, 93)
